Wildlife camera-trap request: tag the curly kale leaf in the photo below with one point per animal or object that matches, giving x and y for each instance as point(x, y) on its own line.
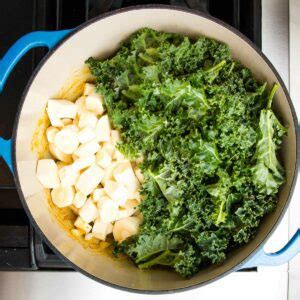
point(148, 246)
point(268, 173)
point(222, 198)
point(212, 245)
point(209, 140)
point(249, 215)
point(188, 261)
point(170, 192)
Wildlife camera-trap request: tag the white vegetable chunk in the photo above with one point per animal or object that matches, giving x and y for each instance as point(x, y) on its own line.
point(79, 200)
point(108, 210)
point(136, 196)
point(140, 217)
point(85, 135)
point(89, 179)
point(138, 174)
point(123, 173)
point(50, 133)
point(119, 156)
point(62, 196)
point(125, 228)
point(88, 212)
point(67, 122)
point(63, 108)
point(128, 210)
point(58, 109)
point(74, 209)
point(47, 173)
point(89, 89)
point(55, 121)
point(116, 192)
point(66, 140)
point(94, 103)
point(109, 172)
point(101, 229)
point(108, 147)
point(103, 129)
point(103, 199)
point(103, 158)
point(98, 194)
point(115, 137)
point(84, 162)
point(87, 119)
point(67, 158)
point(77, 232)
point(61, 164)
point(72, 127)
point(87, 149)
point(81, 224)
point(68, 175)
point(80, 103)
point(89, 236)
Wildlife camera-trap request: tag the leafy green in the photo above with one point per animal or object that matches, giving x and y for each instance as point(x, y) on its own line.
point(209, 140)
point(167, 258)
point(169, 190)
point(220, 196)
point(268, 173)
point(147, 246)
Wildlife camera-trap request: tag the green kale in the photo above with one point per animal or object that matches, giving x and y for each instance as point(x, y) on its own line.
point(209, 139)
point(268, 173)
point(147, 246)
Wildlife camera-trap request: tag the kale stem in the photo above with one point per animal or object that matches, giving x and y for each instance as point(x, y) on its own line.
point(217, 67)
point(184, 226)
point(271, 95)
point(160, 260)
point(231, 68)
point(146, 58)
point(151, 51)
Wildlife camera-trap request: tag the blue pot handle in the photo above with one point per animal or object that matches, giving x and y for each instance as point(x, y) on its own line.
point(31, 40)
point(5, 152)
point(284, 255)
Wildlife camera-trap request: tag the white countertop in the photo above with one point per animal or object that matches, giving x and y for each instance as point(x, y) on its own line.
point(74, 286)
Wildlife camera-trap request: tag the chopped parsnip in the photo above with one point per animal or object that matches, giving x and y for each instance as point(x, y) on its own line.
point(89, 180)
point(91, 176)
point(101, 229)
point(63, 196)
point(126, 228)
point(88, 211)
point(47, 173)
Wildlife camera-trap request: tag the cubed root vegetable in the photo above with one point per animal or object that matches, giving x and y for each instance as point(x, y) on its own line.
point(88, 174)
point(101, 229)
point(125, 228)
point(47, 173)
point(88, 211)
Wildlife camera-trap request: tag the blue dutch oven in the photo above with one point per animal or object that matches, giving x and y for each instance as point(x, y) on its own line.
point(68, 49)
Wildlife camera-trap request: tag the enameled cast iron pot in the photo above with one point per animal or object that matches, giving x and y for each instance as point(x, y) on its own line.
point(101, 37)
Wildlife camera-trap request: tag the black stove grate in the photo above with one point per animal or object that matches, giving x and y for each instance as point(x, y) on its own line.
point(20, 247)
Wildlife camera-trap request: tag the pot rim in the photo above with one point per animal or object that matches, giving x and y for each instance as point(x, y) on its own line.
point(22, 100)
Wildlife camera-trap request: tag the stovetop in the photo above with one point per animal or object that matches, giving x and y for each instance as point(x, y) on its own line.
point(20, 247)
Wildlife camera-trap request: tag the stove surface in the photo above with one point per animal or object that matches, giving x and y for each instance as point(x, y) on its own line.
point(20, 247)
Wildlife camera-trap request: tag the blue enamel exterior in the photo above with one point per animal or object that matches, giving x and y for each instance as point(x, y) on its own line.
point(5, 152)
point(50, 39)
point(280, 257)
point(31, 40)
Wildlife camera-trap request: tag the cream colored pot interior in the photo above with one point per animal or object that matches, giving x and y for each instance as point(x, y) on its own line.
point(100, 39)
